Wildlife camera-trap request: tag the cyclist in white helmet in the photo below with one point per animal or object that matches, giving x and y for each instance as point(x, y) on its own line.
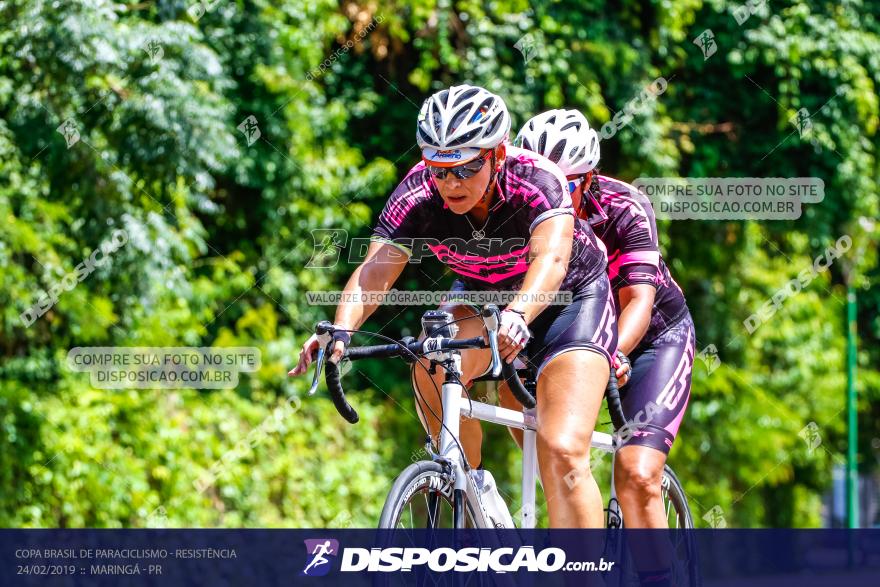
point(655, 328)
point(502, 219)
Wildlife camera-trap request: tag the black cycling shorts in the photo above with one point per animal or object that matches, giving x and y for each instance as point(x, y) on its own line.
point(657, 393)
point(588, 323)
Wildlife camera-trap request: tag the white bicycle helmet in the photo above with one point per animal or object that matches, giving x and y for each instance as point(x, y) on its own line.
point(564, 137)
point(455, 124)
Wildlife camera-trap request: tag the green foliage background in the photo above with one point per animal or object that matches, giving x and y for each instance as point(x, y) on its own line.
point(220, 234)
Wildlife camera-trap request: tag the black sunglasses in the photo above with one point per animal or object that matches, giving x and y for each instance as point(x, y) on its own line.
point(463, 171)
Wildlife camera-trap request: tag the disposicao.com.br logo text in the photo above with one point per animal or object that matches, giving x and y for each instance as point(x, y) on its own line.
point(469, 559)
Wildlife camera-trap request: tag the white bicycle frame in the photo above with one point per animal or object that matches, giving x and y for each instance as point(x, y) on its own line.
point(454, 406)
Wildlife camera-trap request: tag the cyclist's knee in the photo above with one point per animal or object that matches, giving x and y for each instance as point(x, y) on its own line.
point(564, 453)
point(638, 479)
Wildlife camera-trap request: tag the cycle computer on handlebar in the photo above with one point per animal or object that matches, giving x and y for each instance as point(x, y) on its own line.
point(439, 323)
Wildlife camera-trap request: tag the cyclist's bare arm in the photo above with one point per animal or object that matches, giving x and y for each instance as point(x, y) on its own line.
point(376, 274)
point(549, 252)
point(636, 303)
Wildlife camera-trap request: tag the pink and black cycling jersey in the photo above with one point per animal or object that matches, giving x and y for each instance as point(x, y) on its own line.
point(624, 219)
point(660, 381)
point(531, 189)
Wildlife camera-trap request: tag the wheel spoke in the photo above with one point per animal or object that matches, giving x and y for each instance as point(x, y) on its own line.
point(426, 509)
point(432, 511)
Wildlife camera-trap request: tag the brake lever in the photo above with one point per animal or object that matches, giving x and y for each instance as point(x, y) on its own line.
point(324, 331)
point(491, 318)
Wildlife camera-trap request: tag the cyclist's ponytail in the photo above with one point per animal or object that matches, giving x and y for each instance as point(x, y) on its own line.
point(595, 189)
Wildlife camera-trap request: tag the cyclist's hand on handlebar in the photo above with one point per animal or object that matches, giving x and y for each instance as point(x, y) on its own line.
point(622, 368)
point(338, 351)
point(310, 347)
point(340, 342)
point(306, 356)
point(513, 335)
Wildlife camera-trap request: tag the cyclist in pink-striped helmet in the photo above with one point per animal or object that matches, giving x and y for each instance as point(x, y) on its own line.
point(655, 329)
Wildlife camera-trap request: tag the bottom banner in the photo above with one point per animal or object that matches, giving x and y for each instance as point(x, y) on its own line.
point(465, 557)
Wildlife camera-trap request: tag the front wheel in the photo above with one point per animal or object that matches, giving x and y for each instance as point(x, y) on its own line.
point(424, 496)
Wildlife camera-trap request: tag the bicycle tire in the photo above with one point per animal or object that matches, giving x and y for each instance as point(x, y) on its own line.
point(422, 477)
point(676, 496)
point(686, 573)
point(674, 493)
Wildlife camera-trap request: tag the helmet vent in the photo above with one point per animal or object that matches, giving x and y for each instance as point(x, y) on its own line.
point(443, 98)
point(556, 154)
point(494, 124)
point(457, 119)
point(466, 95)
point(465, 138)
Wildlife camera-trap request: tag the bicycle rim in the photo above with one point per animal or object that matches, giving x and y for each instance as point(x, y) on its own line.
point(422, 497)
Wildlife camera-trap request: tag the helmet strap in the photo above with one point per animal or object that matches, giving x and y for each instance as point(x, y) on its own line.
point(492, 173)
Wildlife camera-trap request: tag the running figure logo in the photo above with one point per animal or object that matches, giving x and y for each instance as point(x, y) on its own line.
point(318, 549)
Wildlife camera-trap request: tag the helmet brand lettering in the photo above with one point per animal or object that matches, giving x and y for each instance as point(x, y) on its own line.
point(448, 155)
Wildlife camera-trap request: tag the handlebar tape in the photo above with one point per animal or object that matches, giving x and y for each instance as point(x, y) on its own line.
point(615, 408)
point(516, 386)
point(371, 352)
point(331, 375)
